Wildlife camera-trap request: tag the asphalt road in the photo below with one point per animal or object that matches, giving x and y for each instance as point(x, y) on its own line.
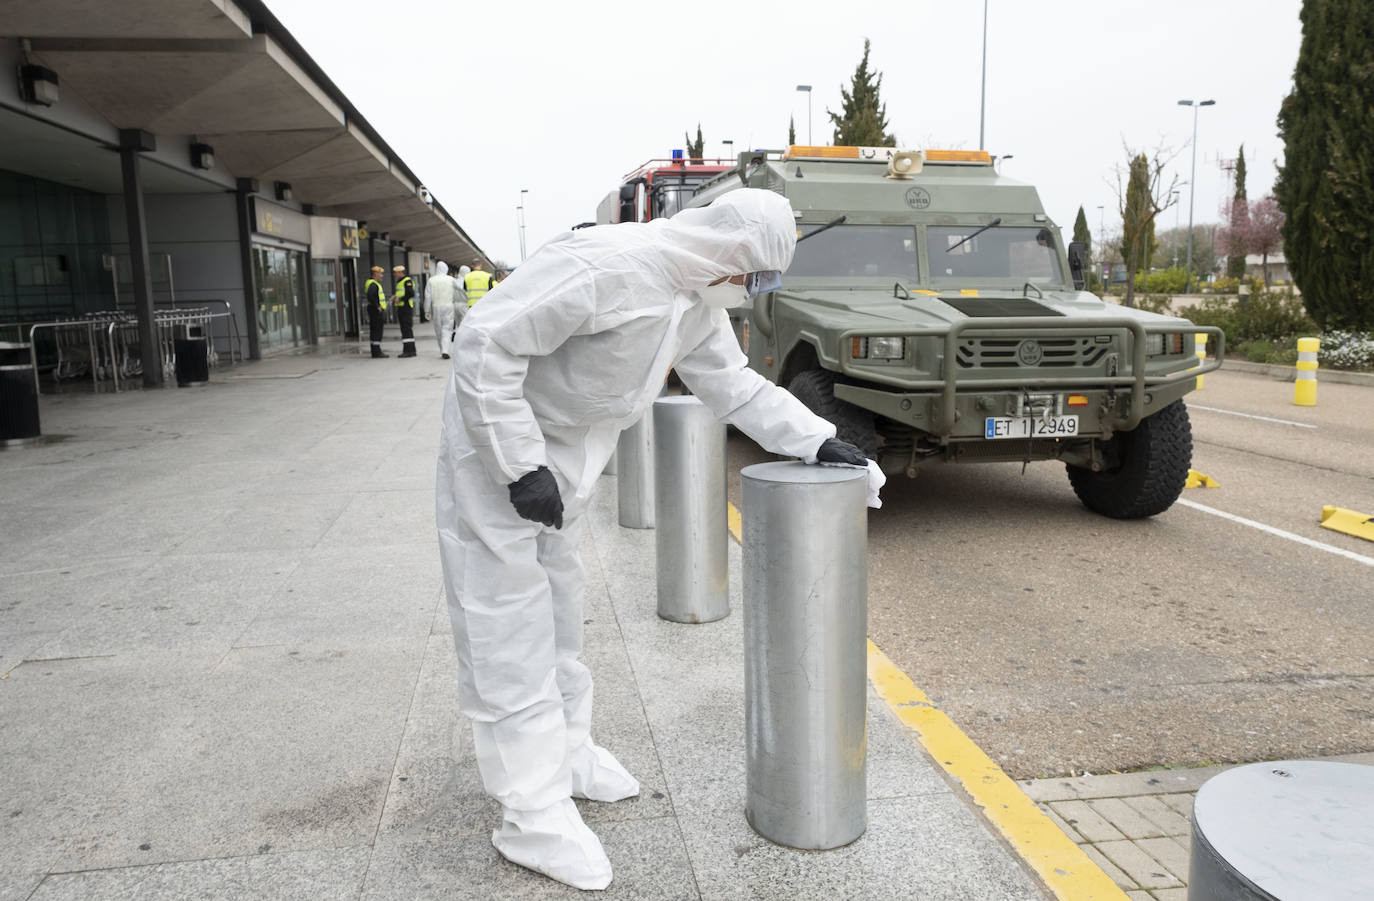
point(1065, 642)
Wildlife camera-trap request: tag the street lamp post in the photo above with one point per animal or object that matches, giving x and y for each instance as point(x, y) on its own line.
point(983, 90)
point(1102, 243)
point(1192, 192)
point(729, 148)
point(807, 89)
point(1002, 159)
point(521, 210)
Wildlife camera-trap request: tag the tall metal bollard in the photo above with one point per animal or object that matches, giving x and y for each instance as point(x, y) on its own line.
point(689, 511)
point(1200, 343)
point(634, 474)
point(1305, 388)
point(805, 542)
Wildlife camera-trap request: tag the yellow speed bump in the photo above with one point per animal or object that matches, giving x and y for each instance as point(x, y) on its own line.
point(1198, 480)
point(1339, 519)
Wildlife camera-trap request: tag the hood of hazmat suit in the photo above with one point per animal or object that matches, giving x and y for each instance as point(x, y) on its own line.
point(441, 268)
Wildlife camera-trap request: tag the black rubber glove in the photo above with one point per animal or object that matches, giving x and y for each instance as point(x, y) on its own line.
point(833, 450)
point(536, 498)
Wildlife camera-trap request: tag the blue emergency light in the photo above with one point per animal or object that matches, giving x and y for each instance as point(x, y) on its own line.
point(677, 154)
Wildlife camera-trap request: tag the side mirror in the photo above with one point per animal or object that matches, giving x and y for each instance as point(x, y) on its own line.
point(1078, 256)
point(628, 195)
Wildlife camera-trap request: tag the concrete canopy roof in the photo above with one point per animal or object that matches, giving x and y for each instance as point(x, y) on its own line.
point(228, 73)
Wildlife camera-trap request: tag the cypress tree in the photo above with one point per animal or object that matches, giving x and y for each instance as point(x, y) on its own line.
point(695, 151)
point(1235, 257)
point(1137, 222)
point(1080, 230)
point(1326, 183)
point(862, 120)
point(791, 131)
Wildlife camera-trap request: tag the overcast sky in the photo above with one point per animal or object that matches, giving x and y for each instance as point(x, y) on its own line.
point(563, 98)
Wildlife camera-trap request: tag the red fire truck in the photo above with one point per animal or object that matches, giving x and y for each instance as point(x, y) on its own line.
point(657, 188)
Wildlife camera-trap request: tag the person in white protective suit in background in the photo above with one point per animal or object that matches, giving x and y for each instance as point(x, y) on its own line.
point(441, 292)
point(559, 358)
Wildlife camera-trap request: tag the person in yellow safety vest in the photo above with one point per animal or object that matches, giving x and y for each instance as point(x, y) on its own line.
point(376, 310)
point(477, 283)
point(404, 299)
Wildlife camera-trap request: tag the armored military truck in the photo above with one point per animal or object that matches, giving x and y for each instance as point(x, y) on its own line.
point(934, 315)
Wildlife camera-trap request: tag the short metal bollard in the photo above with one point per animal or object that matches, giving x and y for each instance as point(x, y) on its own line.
point(634, 474)
point(805, 537)
point(1288, 830)
point(689, 511)
point(1305, 385)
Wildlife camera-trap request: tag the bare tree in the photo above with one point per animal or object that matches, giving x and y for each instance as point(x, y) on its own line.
point(1142, 194)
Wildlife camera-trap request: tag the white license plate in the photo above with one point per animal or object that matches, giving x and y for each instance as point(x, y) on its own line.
point(1031, 427)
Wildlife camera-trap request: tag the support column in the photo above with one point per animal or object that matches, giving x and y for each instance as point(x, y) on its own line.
point(132, 142)
point(243, 201)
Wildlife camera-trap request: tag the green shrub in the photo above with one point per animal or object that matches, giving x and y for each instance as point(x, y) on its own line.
point(1155, 303)
point(1270, 316)
point(1168, 281)
point(1256, 351)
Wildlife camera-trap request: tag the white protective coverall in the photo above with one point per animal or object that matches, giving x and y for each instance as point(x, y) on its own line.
point(558, 359)
point(440, 292)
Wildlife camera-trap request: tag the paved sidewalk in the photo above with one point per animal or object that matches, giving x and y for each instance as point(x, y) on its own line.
point(226, 670)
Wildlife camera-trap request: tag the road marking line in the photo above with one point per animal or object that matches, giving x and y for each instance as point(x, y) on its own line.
point(1301, 425)
point(1063, 866)
point(1340, 552)
point(1060, 864)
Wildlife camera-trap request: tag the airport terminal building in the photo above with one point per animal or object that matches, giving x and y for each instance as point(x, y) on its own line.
point(160, 154)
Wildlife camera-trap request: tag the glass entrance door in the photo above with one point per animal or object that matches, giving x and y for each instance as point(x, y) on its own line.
point(325, 283)
point(279, 276)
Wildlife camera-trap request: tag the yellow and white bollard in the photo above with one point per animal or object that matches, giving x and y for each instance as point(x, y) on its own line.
point(1305, 388)
point(1200, 342)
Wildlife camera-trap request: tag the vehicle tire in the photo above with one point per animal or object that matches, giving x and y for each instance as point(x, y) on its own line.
point(1155, 457)
point(816, 389)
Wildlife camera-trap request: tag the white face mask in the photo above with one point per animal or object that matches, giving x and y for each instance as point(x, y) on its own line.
point(722, 296)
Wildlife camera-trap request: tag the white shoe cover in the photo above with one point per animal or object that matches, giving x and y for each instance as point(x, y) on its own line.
point(598, 776)
point(554, 841)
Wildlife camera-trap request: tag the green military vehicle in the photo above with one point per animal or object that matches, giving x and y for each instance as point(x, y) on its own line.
point(933, 314)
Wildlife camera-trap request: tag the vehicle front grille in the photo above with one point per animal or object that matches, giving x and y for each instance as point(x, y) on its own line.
point(1057, 353)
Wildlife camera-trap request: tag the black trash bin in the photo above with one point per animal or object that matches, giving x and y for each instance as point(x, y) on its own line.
point(192, 356)
point(18, 396)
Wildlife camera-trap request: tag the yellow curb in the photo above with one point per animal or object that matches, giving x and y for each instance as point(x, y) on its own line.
point(1339, 519)
point(1063, 866)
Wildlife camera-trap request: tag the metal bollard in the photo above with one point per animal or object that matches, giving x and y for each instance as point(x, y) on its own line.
point(1305, 387)
point(1283, 829)
point(805, 543)
point(1200, 342)
point(689, 511)
point(634, 474)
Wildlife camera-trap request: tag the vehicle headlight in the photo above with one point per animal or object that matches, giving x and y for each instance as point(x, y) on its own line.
point(885, 348)
point(1159, 345)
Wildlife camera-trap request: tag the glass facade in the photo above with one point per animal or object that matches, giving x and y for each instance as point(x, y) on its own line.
point(52, 240)
point(283, 311)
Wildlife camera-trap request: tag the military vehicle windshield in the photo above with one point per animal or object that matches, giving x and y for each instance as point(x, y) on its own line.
point(1010, 253)
point(856, 251)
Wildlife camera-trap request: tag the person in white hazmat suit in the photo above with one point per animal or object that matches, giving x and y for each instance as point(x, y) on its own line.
point(441, 291)
point(568, 351)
